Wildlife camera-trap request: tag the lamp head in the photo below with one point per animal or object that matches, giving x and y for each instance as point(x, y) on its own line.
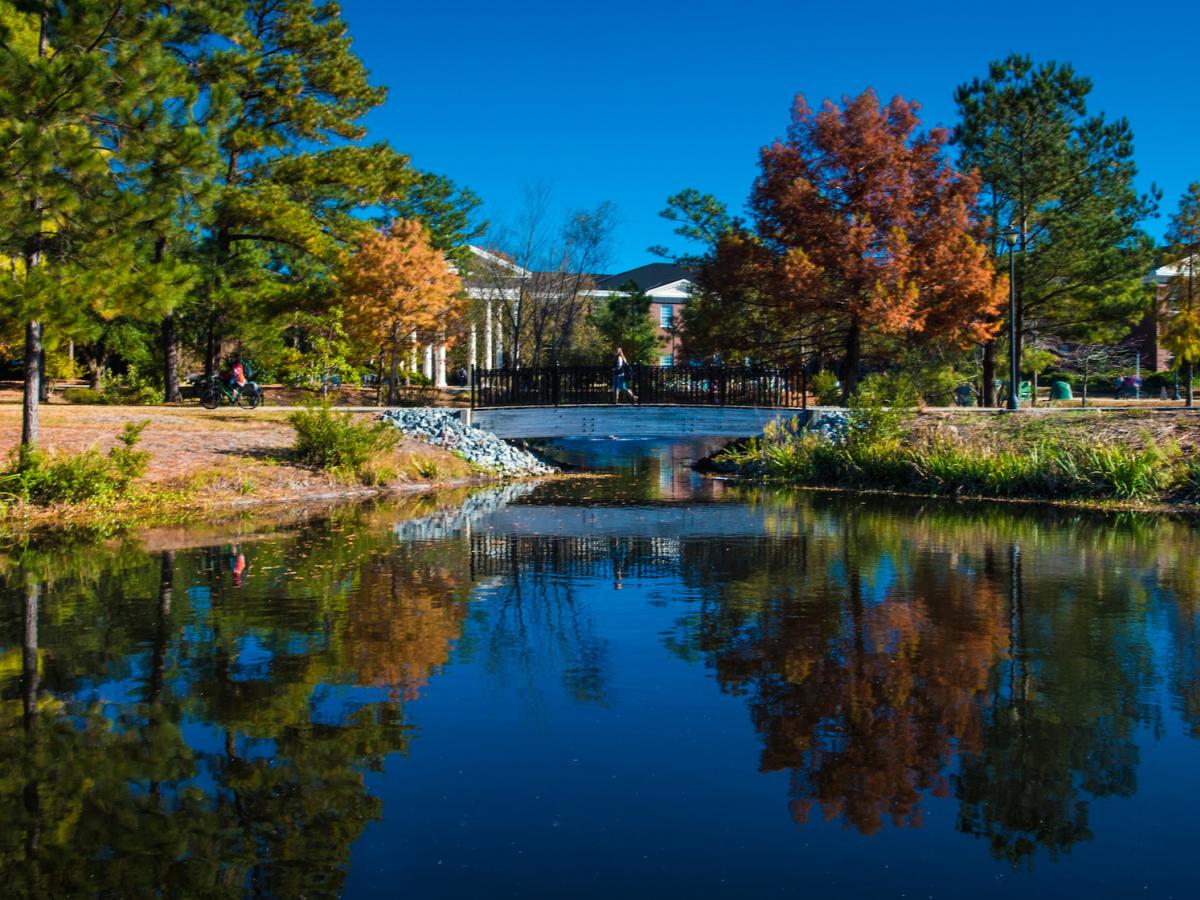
point(1011, 234)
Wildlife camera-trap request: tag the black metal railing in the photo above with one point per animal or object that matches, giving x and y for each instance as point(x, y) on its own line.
point(674, 385)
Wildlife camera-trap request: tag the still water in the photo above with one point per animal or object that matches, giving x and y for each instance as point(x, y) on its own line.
point(643, 685)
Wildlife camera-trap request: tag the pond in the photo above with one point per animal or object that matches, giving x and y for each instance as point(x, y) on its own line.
point(647, 684)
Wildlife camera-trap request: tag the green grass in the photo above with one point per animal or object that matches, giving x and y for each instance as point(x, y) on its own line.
point(1042, 468)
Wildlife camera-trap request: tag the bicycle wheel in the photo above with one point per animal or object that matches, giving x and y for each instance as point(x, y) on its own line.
point(209, 397)
point(249, 399)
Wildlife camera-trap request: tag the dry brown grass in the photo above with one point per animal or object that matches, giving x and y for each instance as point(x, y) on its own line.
point(227, 457)
point(1132, 427)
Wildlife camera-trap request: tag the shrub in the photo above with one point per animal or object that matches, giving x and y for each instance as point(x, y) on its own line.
point(336, 442)
point(827, 389)
point(88, 477)
point(898, 389)
point(83, 395)
point(131, 389)
point(878, 410)
point(1155, 382)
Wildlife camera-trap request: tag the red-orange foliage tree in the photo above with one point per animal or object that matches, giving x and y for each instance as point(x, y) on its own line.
point(399, 286)
point(860, 227)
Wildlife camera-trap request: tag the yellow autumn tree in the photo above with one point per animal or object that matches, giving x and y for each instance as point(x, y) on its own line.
point(398, 287)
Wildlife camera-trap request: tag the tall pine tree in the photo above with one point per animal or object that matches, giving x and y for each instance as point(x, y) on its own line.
point(78, 111)
point(295, 186)
point(1064, 179)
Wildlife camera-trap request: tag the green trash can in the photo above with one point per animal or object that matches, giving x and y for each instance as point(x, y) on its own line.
point(1060, 390)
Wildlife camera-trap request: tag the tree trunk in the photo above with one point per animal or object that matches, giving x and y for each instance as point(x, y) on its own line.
point(96, 372)
point(379, 378)
point(393, 381)
point(210, 349)
point(31, 395)
point(43, 381)
point(1190, 372)
point(170, 348)
point(849, 373)
point(988, 394)
point(31, 398)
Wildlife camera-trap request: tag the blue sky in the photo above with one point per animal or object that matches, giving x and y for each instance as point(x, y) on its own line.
point(630, 102)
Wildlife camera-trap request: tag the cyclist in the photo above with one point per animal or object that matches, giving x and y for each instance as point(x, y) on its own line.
point(238, 377)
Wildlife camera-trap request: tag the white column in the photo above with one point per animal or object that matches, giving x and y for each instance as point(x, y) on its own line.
point(412, 354)
point(488, 358)
point(440, 368)
point(499, 343)
point(427, 368)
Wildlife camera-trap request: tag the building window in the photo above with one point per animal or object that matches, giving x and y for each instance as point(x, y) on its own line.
point(666, 315)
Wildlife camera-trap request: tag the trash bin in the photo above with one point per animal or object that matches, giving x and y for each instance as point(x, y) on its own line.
point(1060, 390)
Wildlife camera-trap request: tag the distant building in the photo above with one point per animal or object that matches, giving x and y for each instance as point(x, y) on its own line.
point(497, 281)
point(668, 287)
point(1146, 336)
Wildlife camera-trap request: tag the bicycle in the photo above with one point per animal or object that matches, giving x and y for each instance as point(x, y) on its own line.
point(215, 391)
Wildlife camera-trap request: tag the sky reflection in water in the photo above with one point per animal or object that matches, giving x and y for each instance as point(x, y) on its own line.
point(647, 684)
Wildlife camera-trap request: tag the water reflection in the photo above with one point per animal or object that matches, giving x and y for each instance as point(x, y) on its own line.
point(648, 470)
point(229, 718)
point(201, 723)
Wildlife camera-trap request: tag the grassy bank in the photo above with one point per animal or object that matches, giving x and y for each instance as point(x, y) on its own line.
point(112, 467)
point(1047, 457)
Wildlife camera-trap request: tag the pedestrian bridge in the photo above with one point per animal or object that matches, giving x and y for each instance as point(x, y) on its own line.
point(628, 421)
point(674, 401)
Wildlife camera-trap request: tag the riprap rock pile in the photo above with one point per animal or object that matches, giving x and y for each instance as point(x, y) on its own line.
point(442, 428)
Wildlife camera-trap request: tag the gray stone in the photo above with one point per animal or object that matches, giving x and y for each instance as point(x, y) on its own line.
point(442, 428)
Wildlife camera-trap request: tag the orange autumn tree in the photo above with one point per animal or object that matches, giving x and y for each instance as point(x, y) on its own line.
point(397, 286)
point(861, 228)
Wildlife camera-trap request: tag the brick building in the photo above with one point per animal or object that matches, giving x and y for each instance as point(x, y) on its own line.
point(668, 288)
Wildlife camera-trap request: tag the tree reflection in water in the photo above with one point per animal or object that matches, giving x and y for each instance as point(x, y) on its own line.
point(200, 723)
point(982, 656)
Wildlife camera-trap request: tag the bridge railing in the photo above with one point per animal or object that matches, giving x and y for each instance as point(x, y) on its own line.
point(675, 385)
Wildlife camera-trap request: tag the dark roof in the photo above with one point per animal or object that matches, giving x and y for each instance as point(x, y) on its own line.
point(647, 278)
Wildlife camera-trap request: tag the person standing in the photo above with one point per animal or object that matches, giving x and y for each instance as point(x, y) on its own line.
point(621, 378)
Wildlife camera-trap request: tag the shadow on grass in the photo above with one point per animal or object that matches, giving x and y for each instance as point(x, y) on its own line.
point(273, 455)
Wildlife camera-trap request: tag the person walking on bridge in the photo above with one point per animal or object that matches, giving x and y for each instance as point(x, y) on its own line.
point(621, 375)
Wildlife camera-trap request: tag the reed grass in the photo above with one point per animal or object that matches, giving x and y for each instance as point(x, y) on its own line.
point(1043, 468)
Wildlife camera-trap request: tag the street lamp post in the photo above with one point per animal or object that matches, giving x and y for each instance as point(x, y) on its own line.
point(1011, 235)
